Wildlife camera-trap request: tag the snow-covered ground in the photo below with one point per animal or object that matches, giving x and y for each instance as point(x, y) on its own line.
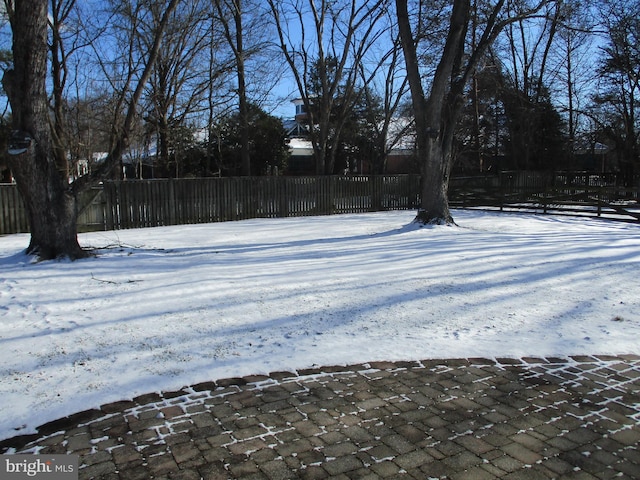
point(162, 308)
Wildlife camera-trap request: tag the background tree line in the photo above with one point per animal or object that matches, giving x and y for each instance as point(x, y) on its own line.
point(551, 86)
point(189, 87)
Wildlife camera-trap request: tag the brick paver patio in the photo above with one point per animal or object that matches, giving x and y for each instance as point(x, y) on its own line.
point(530, 418)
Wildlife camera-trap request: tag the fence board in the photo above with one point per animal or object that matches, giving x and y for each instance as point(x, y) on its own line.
point(13, 215)
point(91, 214)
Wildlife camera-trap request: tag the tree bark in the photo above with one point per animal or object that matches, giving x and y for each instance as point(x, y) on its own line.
point(50, 204)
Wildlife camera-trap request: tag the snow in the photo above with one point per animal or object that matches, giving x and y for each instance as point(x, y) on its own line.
point(162, 308)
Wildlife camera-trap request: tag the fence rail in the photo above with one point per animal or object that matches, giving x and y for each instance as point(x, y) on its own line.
point(150, 203)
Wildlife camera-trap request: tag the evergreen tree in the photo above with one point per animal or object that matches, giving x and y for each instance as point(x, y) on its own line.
point(266, 143)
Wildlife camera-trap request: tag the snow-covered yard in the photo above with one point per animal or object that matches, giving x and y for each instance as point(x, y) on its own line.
point(162, 308)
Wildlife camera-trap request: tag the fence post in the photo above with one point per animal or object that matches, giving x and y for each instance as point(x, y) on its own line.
point(109, 206)
point(284, 194)
point(501, 191)
point(322, 188)
point(600, 187)
point(173, 204)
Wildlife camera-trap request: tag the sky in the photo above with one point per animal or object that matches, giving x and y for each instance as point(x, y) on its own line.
point(162, 308)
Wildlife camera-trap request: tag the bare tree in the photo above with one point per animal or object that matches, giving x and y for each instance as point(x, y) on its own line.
point(244, 28)
point(60, 13)
point(525, 70)
point(574, 58)
point(218, 99)
point(49, 198)
point(618, 98)
point(385, 82)
point(327, 40)
point(234, 34)
point(179, 79)
point(437, 107)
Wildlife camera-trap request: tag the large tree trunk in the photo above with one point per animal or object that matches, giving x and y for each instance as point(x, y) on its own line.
point(434, 188)
point(50, 204)
point(435, 113)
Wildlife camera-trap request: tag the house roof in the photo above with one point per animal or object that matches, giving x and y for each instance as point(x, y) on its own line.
point(295, 128)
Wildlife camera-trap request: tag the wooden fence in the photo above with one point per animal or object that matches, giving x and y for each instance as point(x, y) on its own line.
point(149, 203)
point(569, 193)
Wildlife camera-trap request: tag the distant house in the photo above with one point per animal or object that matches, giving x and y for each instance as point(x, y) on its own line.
point(133, 163)
point(401, 142)
point(593, 156)
point(301, 161)
point(401, 157)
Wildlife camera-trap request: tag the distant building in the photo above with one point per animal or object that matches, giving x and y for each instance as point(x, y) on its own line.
point(401, 144)
point(301, 161)
point(593, 156)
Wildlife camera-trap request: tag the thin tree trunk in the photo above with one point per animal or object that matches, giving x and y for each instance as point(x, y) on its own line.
point(243, 106)
point(235, 39)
